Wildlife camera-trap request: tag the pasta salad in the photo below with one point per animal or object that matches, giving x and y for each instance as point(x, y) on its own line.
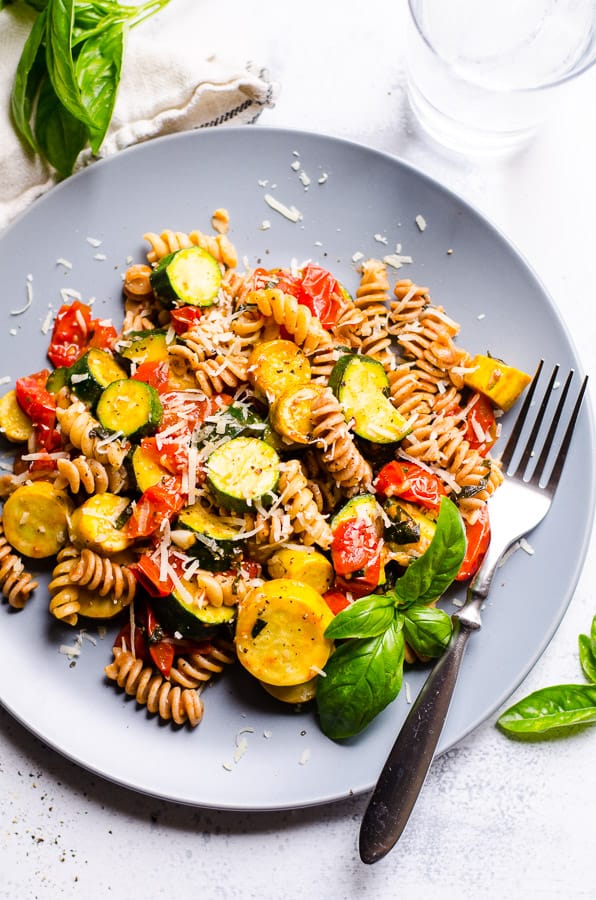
point(256, 467)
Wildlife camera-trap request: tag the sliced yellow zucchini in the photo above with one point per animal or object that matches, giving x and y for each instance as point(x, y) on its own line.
point(293, 693)
point(35, 519)
point(15, 424)
point(303, 564)
point(96, 524)
point(146, 470)
point(276, 366)
point(93, 606)
point(280, 632)
point(145, 346)
point(291, 412)
point(501, 383)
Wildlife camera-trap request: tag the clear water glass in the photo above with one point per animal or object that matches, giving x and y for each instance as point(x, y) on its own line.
point(483, 76)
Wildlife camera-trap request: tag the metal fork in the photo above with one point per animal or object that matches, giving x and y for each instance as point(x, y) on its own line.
point(519, 504)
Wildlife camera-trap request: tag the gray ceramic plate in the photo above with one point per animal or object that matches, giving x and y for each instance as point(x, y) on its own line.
point(354, 194)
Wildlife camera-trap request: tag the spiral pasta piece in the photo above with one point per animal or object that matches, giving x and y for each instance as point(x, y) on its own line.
point(372, 298)
point(104, 576)
point(64, 595)
point(195, 669)
point(221, 374)
point(298, 500)
point(339, 453)
point(90, 475)
point(219, 246)
point(82, 430)
point(151, 689)
point(295, 317)
point(16, 583)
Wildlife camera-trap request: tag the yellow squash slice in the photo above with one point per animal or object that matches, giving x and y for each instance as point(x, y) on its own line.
point(35, 519)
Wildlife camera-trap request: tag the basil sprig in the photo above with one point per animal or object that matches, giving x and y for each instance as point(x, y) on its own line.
point(365, 672)
point(68, 75)
point(551, 709)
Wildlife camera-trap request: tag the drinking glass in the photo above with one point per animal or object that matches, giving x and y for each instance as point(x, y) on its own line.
point(483, 75)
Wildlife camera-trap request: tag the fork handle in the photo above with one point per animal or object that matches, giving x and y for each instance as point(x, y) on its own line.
point(408, 763)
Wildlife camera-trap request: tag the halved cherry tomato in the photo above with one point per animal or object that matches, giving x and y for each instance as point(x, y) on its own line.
point(358, 586)
point(140, 645)
point(401, 478)
point(147, 573)
point(336, 601)
point(160, 501)
point(161, 650)
point(103, 335)
point(279, 279)
point(154, 374)
point(322, 293)
point(37, 402)
point(183, 318)
point(355, 546)
point(481, 430)
point(478, 538)
point(71, 333)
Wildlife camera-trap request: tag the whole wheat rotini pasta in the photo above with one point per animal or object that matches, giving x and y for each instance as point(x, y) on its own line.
point(249, 370)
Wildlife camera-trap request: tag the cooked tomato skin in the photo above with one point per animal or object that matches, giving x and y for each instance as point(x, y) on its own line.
point(478, 538)
point(401, 478)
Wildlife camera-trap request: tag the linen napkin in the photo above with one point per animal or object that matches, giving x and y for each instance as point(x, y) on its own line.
point(170, 83)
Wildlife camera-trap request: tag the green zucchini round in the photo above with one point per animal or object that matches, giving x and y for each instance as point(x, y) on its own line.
point(188, 277)
point(130, 407)
point(243, 472)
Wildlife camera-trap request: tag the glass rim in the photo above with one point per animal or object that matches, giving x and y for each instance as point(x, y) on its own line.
point(588, 60)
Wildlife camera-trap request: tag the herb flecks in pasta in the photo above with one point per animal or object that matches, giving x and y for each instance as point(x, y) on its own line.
point(174, 537)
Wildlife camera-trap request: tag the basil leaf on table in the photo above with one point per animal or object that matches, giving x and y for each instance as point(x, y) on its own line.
point(550, 708)
point(427, 629)
point(98, 69)
point(29, 74)
point(366, 617)
point(362, 678)
point(58, 134)
point(427, 577)
point(587, 653)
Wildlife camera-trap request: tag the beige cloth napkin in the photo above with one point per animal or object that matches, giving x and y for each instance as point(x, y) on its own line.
point(170, 83)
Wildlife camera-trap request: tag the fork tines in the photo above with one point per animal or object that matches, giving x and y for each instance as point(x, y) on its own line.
point(539, 446)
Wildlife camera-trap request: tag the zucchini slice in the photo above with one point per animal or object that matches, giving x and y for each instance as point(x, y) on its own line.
point(280, 632)
point(502, 384)
point(363, 506)
point(361, 385)
point(146, 471)
point(35, 519)
point(216, 545)
point(303, 564)
point(291, 412)
point(145, 346)
point(276, 366)
point(57, 379)
point(402, 551)
point(130, 407)
point(242, 472)
point(188, 277)
point(15, 424)
point(92, 373)
point(94, 524)
point(181, 612)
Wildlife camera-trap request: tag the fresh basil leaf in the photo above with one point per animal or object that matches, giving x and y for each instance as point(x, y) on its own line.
point(587, 657)
point(551, 708)
point(362, 677)
point(30, 71)
point(427, 629)
point(366, 617)
point(427, 577)
point(59, 135)
point(98, 69)
point(59, 59)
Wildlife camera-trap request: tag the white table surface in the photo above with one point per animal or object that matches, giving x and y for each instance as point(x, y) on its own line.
point(496, 818)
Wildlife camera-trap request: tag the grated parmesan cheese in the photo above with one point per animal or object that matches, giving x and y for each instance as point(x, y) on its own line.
point(290, 212)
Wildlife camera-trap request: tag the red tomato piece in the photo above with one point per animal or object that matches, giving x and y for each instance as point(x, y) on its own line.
point(71, 333)
point(481, 428)
point(411, 482)
point(277, 279)
point(160, 501)
point(478, 538)
point(336, 601)
point(103, 334)
point(154, 374)
point(322, 293)
point(354, 547)
point(183, 318)
point(37, 402)
point(147, 573)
